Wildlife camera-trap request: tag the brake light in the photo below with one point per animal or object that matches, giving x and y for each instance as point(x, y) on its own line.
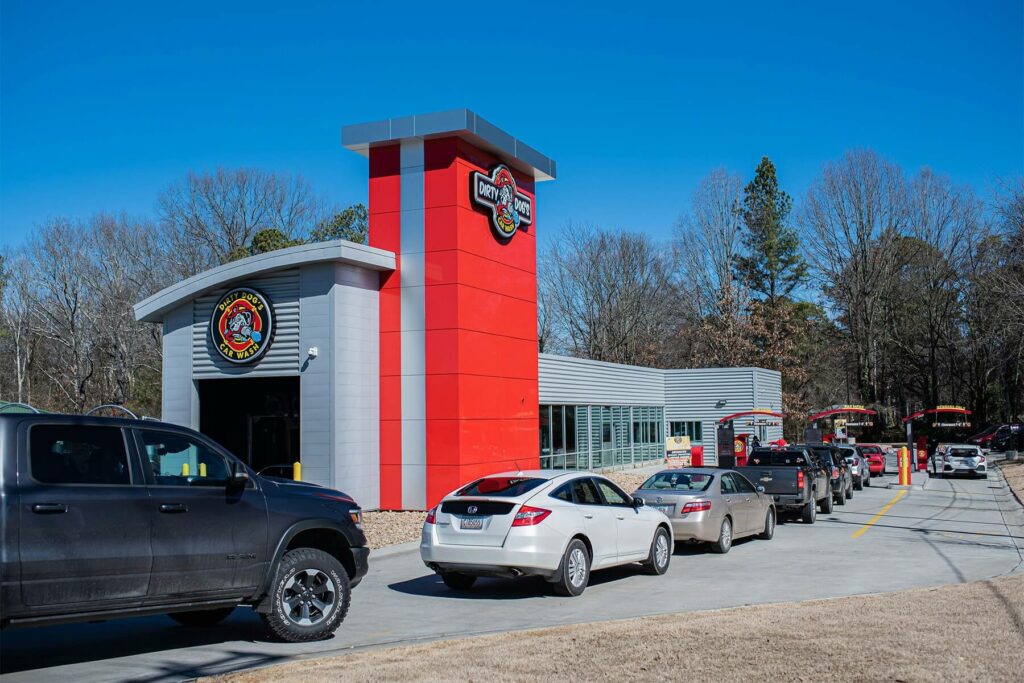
point(800, 479)
point(530, 516)
point(696, 506)
point(432, 515)
point(835, 472)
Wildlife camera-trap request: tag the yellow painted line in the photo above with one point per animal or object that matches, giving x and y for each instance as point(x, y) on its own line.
point(867, 525)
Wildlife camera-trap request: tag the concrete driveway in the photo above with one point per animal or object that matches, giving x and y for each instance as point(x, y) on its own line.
point(940, 531)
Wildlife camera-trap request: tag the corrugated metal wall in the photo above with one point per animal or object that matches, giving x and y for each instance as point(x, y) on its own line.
point(282, 358)
point(577, 381)
point(769, 395)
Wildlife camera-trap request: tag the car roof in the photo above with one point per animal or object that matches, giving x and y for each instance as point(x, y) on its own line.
point(536, 474)
point(64, 418)
point(694, 470)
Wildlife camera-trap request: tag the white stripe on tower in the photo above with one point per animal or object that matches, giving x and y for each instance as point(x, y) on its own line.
point(413, 329)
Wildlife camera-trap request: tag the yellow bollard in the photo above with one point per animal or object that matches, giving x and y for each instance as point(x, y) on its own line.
point(297, 471)
point(202, 469)
point(184, 469)
point(904, 475)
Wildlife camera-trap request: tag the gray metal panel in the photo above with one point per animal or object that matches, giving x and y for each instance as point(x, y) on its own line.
point(316, 387)
point(588, 382)
point(180, 403)
point(282, 358)
point(340, 251)
point(769, 395)
point(460, 122)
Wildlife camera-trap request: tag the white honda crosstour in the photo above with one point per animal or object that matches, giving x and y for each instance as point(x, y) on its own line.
point(559, 525)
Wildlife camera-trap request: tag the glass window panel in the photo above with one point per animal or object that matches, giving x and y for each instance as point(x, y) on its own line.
point(545, 430)
point(570, 429)
point(557, 430)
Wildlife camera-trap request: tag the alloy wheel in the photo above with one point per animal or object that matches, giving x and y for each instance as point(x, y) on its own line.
point(308, 597)
point(577, 567)
point(726, 534)
point(661, 550)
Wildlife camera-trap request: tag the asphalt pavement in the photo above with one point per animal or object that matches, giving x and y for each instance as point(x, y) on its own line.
point(939, 531)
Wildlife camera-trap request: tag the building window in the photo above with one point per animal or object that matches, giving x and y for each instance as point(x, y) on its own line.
point(690, 428)
point(592, 437)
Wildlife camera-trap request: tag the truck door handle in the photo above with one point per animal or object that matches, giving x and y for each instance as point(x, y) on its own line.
point(49, 508)
point(617, 517)
point(171, 508)
point(589, 516)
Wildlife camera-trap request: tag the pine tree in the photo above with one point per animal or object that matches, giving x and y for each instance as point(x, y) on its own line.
point(771, 266)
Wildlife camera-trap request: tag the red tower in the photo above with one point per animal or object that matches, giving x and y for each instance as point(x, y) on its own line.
point(453, 196)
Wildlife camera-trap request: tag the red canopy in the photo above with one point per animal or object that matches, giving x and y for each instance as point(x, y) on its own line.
point(932, 411)
point(751, 412)
point(839, 411)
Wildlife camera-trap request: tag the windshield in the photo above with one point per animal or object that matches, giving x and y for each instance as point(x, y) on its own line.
point(780, 458)
point(679, 481)
point(963, 452)
point(501, 487)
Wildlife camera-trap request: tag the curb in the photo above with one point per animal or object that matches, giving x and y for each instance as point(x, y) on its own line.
point(397, 549)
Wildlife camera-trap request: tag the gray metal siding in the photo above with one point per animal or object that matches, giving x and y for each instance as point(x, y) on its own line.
point(282, 358)
point(180, 403)
point(316, 399)
point(769, 395)
point(586, 382)
point(693, 394)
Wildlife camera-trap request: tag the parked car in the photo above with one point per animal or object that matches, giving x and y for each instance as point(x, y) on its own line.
point(794, 479)
point(858, 466)
point(984, 437)
point(558, 525)
point(874, 456)
point(1008, 438)
point(839, 471)
point(104, 518)
point(950, 459)
point(710, 505)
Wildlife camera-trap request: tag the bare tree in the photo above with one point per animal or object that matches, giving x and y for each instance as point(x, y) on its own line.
point(19, 339)
point(211, 218)
point(609, 293)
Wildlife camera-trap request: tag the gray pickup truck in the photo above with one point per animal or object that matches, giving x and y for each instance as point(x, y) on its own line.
point(794, 479)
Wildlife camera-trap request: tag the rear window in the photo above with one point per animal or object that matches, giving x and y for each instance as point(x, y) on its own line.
point(870, 450)
point(777, 458)
point(678, 481)
point(963, 452)
point(501, 487)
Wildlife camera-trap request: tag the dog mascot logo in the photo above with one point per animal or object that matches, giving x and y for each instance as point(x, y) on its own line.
point(241, 325)
point(498, 194)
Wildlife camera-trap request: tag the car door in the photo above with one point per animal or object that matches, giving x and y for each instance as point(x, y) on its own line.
point(84, 519)
point(635, 531)
point(209, 538)
point(599, 521)
point(734, 504)
point(750, 504)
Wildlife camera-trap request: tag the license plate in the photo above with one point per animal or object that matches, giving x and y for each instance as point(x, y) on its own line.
point(472, 523)
point(667, 509)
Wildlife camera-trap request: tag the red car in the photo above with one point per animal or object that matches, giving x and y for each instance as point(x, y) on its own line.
point(875, 457)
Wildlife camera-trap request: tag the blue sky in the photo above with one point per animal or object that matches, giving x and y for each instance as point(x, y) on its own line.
point(102, 105)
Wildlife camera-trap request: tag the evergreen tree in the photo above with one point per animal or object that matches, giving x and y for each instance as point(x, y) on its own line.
point(771, 265)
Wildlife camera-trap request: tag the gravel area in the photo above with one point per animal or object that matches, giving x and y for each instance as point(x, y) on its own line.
point(1014, 473)
point(902, 636)
point(388, 528)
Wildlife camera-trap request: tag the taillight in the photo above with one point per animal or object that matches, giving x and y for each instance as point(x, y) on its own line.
point(981, 458)
point(800, 479)
point(696, 506)
point(835, 472)
point(530, 516)
point(432, 516)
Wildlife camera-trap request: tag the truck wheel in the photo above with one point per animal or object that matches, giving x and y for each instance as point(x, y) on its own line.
point(206, 617)
point(575, 573)
point(660, 555)
point(457, 581)
point(309, 597)
point(826, 504)
point(724, 542)
point(841, 498)
point(810, 513)
point(769, 526)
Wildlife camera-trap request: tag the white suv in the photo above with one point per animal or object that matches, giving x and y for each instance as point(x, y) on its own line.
point(558, 525)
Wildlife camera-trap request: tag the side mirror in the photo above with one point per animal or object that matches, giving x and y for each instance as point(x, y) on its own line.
point(239, 476)
point(637, 502)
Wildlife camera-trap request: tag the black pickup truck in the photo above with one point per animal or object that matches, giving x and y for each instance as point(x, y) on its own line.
point(103, 518)
point(793, 477)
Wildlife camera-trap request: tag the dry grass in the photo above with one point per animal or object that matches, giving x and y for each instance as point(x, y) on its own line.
point(1014, 473)
point(966, 632)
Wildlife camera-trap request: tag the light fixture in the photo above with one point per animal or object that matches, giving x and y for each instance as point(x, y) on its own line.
point(720, 403)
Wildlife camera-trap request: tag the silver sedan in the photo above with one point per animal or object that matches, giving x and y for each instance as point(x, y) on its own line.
point(711, 505)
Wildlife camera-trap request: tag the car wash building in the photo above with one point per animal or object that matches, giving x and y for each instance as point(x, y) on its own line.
point(399, 370)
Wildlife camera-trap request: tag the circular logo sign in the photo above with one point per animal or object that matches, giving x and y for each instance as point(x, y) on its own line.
point(241, 325)
point(498, 195)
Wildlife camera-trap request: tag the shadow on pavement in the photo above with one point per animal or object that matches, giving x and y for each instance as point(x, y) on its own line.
point(49, 646)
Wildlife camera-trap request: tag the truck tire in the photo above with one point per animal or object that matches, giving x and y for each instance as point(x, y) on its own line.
point(660, 555)
point(841, 498)
point(724, 542)
point(310, 596)
point(858, 486)
point(810, 512)
point(769, 526)
point(826, 504)
point(575, 572)
point(205, 617)
point(849, 492)
point(457, 581)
